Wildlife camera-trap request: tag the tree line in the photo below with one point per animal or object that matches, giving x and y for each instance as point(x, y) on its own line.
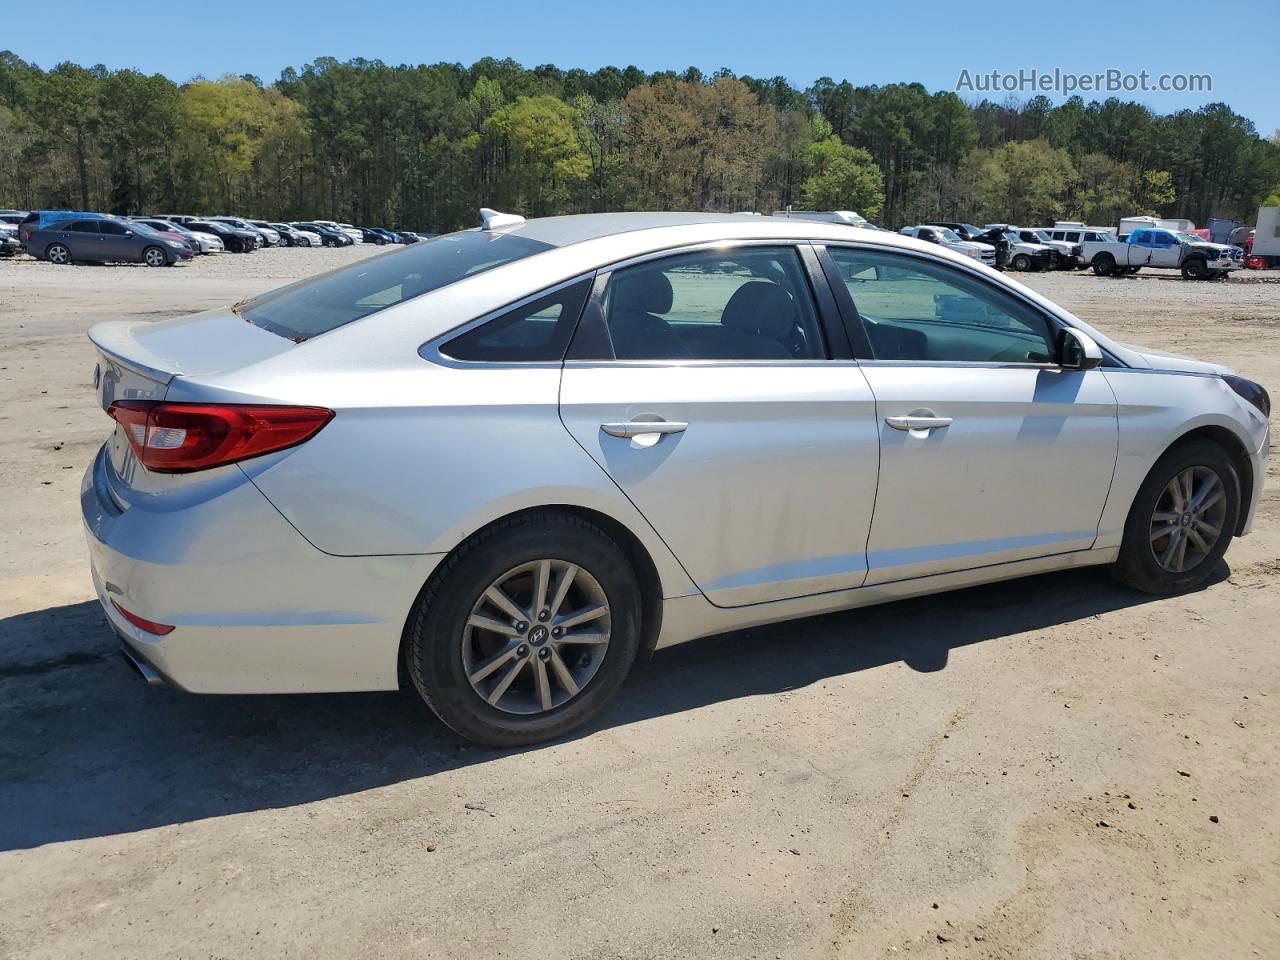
point(421, 147)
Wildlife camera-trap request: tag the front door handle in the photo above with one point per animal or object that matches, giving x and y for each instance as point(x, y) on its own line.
point(918, 423)
point(636, 428)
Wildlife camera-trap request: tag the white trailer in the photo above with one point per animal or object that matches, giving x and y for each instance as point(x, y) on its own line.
point(1266, 236)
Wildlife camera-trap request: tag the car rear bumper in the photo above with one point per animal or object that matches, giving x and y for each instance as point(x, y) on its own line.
point(255, 608)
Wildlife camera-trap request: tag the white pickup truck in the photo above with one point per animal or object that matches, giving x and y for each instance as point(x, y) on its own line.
point(1162, 249)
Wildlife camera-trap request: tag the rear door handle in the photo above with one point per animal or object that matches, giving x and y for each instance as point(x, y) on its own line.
point(636, 428)
point(918, 423)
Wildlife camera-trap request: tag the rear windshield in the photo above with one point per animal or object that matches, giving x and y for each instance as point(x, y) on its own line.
point(320, 304)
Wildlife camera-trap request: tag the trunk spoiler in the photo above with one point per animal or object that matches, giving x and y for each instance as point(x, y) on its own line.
point(117, 342)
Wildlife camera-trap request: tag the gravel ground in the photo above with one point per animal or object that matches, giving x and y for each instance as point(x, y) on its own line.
point(1053, 768)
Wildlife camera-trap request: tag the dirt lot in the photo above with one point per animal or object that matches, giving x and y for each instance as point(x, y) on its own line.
point(1028, 770)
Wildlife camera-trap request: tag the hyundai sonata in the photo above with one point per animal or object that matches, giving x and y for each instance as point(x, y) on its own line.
point(501, 462)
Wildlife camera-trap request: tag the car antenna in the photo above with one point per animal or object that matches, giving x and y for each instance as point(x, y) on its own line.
point(493, 220)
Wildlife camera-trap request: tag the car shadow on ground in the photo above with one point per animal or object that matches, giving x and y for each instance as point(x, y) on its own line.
point(87, 750)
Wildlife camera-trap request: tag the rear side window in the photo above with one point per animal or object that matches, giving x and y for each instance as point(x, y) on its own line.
point(536, 331)
point(320, 304)
point(748, 303)
point(83, 226)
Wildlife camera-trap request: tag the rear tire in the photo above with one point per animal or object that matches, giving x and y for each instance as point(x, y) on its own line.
point(446, 652)
point(1158, 521)
point(58, 253)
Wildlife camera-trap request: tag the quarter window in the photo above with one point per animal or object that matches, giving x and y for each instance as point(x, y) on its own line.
point(745, 303)
point(913, 309)
point(538, 331)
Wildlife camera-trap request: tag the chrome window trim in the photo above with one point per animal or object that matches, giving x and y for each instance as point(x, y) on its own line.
point(1055, 322)
point(968, 364)
point(817, 362)
point(430, 351)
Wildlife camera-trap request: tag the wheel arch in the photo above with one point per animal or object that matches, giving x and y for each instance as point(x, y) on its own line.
point(1236, 450)
point(642, 563)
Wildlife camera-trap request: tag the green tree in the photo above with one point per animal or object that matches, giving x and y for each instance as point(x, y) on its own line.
point(66, 101)
point(538, 139)
point(843, 178)
point(1026, 182)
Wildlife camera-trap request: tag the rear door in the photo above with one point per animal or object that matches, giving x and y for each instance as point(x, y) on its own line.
point(82, 239)
point(1139, 248)
point(703, 382)
point(1165, 249)
point(989, 451)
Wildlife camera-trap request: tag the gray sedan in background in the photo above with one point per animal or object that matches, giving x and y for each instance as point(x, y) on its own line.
point(103, 240)
point(501, 462)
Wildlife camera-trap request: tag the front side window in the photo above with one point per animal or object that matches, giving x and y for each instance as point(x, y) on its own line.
point(320, 304)
point(115, 229)
point(745, 303)
point(914, 309)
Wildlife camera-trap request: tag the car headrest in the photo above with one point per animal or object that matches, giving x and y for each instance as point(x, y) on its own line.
point(760, 307)
point(648, 291)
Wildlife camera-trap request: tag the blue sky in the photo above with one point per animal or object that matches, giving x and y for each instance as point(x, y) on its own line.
point(929, 42)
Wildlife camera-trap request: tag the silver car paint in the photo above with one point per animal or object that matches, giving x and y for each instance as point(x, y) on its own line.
point(1022, 471)
point(767, 494)
point(421, 454)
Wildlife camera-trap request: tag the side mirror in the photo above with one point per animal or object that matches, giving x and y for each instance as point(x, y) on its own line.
point(128, 233)
point(1077, 350)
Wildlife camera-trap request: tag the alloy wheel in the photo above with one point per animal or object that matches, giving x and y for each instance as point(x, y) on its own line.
point(1188, 520)
point(154, 257)
point(59, 254)
point(536, 636)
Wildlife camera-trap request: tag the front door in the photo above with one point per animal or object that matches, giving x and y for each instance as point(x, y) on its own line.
point(118, 241)
point(707, 394)
point(989, 452)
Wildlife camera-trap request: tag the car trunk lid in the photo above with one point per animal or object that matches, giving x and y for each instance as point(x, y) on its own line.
point(138, 360)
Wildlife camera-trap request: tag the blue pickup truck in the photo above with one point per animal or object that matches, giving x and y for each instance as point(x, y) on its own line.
point(1162, 249)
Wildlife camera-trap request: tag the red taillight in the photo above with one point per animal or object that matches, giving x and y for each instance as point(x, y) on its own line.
point(150, 626)
point(180, 437)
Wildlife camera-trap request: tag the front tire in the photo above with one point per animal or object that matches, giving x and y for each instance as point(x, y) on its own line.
point(1104, 265)
point(526, 631)
point(154, 257)
point(1181, 521)
point(1195, 269)
point(1021, 263)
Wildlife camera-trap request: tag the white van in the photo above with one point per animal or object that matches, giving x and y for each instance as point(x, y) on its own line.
point(1130, 224)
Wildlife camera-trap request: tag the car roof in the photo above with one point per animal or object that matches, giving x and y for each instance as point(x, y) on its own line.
point(580, 228)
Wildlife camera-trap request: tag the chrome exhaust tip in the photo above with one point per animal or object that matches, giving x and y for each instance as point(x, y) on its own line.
point(142, 668)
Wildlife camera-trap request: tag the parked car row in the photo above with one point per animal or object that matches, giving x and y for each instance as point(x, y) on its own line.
point(69, 236)
point(1068, 245)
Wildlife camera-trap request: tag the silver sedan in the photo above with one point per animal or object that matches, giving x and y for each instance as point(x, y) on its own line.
point(501, 462)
